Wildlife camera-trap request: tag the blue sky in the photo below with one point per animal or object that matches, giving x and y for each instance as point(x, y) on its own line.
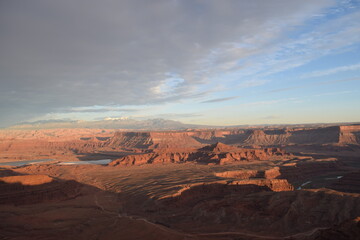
point(204, 62)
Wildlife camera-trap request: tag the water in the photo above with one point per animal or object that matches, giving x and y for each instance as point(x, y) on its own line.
point(338, 177)
point(96, 162)
point(22, 163)
point(27, 162)
point(305, 183)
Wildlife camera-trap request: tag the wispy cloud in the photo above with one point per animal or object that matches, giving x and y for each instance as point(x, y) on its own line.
point(271, 117)
point(164, 54)
point(335, 93)
point(271, 102)
point(215, 100)
point(335, 70)
point(274, 56)
point(338, 81)
point(177, 115)
point(260, 103)
point(171, 116)
point(312, 84)
point(98, 109)
point(285, 89)
point(253, 83)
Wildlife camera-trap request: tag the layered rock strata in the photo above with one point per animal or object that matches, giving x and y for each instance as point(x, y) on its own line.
point(214, 154)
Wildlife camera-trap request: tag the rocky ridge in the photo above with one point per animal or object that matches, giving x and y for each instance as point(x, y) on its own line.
point(218, 153)
point(32, 189)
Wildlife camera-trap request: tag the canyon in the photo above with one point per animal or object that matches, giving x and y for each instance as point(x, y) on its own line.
point(280, 182)
point(91, 144)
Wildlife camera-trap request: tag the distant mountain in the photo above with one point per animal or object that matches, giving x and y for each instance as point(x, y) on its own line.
point(151, 124)
point(110, 123)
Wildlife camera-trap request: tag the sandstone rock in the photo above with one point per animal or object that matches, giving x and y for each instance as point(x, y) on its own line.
point(276, 185)
point(31, 189)
point(239, 174)
point(218, 153)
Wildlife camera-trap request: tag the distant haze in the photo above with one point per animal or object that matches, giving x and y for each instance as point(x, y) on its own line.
point(199, 62)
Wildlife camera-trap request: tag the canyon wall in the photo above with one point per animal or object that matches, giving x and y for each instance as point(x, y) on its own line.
point(218, 153)
point(71, 143)
point(246, 137)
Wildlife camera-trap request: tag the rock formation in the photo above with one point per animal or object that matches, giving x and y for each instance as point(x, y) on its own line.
point(259, 210)
point(296, 172)
point(218, 153)
point(303, 170)
point(347, 230)
point(276, 185)
point(241, 174)
point(31, 189)
point(75, 143)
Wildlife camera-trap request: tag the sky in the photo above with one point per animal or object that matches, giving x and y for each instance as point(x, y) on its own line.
point(210, 62)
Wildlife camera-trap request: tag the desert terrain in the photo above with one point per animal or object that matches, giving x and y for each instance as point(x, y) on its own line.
point(282, 182)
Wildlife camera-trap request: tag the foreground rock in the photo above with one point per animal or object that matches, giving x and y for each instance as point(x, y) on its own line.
point(31, 189)
point(346, 230)
point(293, 214)
point(175, 201)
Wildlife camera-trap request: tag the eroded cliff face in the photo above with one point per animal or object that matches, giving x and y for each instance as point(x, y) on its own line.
point(261, 137)
point(152, 140)
point(57, 144)
point(349, 135)
point(131, 140)
point(322, 135)
point(240, 174)
point(303, 170)
point(292, 172)
point(218, 153)
point(72, 143)
point(276, 185)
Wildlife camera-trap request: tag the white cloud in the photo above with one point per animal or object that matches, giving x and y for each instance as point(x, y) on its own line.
point(62, 54)
point(335, 93)
point(327, 38)
point(252, 83)
point(271, 102)
point(326, 72)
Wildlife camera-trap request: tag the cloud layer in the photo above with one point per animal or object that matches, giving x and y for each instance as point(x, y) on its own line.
point(64, 55)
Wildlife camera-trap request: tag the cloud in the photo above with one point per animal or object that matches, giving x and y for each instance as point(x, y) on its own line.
point(286, 89)
point(176, 115)
point(271, 102)
point(220, 99)
point(98, 110)
point(252, 83)
point(335, 93)
point(63, 54)
point(170, 116)
point(326, 37)
point(271, 117)
point(338, 81)
point(312, 84)
point(332, 71)
point(261, 103)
